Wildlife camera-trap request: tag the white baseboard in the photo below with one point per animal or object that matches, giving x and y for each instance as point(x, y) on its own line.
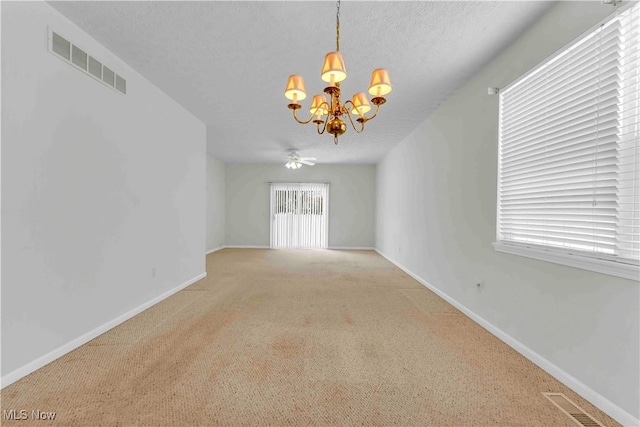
point(30, 367)
point(613, 410)
point(210, 251)
point(334, 248)
point(351, 248)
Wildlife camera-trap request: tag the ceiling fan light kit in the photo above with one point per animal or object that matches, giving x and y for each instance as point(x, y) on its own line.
point(294, 161)
point(328, 115)
point(293, 165)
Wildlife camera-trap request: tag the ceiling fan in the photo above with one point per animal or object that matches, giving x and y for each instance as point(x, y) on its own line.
point(294, 161)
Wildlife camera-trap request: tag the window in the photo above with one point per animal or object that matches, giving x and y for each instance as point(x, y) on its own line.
point(569, 154)
point(299, 216)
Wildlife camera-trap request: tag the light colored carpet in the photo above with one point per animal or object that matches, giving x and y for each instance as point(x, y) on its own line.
point(295, 338)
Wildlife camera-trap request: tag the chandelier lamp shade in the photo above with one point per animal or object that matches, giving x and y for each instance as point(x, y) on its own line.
point(331, 114)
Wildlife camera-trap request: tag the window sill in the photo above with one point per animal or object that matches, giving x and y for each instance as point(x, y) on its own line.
point(612, 268)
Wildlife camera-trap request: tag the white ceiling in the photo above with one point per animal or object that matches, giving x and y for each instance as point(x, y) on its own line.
point(228, 62)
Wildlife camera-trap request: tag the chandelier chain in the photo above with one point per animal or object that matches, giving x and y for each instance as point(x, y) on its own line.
point(338, 26)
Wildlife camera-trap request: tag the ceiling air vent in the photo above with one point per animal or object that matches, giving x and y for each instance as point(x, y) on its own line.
point(576, 413)
point(81, 60)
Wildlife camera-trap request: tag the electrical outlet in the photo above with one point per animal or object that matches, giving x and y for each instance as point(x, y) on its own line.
point(153, 272)
point(477, 281)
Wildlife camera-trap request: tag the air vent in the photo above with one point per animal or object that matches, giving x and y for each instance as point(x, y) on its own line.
point(576, 413)
point(95, 68)
point(80, 59)
point(61, 46)
point(121, 84)
point(108, 76)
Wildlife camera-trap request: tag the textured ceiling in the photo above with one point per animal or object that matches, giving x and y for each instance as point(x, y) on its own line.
point(228, 62)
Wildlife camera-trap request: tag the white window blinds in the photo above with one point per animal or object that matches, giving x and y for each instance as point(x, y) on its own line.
point(569, 156)
point(299, 215)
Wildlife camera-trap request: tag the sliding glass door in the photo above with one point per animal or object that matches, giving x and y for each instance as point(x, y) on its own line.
point(299, 215)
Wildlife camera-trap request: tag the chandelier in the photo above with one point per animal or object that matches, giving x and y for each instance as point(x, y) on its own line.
point(331, 116)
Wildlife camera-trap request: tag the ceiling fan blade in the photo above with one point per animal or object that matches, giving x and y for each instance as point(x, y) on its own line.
point(308, 158)
point(305, 162)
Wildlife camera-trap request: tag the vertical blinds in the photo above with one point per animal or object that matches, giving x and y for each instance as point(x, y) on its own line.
point(299, 217)
point(569, 161)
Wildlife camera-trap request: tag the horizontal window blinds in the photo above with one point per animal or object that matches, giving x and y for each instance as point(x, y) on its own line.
point(299, 216)
point(569, 161)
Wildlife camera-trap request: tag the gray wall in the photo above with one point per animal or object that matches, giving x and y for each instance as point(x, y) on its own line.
point(436, 217)
point(98, 190)
point(351, 202)
point(216, 202)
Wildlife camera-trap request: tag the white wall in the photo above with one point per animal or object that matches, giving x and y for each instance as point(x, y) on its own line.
point(216, 202)
point(351, 202)
point(98, 189)
point(436, 213)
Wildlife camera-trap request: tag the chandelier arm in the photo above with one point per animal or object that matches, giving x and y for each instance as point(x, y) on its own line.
point(324, 127)
point(328, 106)
point(351, 119)
point(366, 119)
point(295, 116)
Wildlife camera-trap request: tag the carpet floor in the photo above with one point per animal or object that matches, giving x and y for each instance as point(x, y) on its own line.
point(295, 338)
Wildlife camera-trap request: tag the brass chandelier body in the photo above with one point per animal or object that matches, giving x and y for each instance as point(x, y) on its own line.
point(328, 115)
